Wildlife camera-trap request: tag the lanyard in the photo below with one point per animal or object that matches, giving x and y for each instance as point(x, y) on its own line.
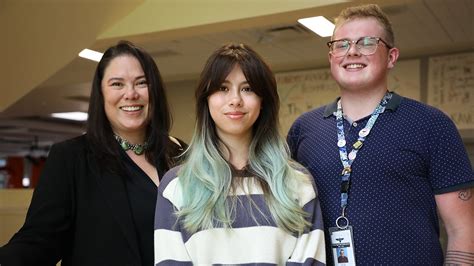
point(346, 159)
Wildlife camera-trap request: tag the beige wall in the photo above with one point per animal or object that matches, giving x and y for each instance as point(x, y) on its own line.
point(13, 206)
point(181, 100)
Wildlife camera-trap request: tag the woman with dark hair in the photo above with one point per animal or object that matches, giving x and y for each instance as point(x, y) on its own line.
point(95, 201)
point(238, 198)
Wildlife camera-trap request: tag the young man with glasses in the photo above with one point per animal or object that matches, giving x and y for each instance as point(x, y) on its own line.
point(384, 164)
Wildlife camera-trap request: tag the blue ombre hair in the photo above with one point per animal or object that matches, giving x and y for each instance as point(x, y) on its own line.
point(206, 177)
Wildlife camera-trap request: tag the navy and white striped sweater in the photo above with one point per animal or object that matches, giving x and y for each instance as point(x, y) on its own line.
point(251, 240)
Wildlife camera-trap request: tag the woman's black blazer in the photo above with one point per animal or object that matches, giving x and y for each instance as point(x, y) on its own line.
point(78, 214)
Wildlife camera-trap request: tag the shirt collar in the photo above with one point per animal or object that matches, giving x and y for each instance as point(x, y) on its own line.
point(391, 105)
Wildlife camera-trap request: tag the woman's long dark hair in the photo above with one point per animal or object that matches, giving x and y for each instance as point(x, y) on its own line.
point(206, 178)
point(99, 131)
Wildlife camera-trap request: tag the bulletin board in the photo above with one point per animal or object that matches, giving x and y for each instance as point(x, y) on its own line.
point(301, 91)
point(451, 87)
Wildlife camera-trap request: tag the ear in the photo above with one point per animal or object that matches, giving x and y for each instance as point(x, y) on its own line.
point(392, 57)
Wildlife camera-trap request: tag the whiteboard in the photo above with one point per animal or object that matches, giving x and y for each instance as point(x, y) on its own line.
point(451, 87)
point(301, 91)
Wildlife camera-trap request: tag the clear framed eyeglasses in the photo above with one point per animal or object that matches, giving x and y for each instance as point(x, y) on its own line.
point(365, 45)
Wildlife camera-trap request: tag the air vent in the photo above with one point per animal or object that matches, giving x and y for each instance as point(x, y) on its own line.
point(289, 29)
point(284, 33)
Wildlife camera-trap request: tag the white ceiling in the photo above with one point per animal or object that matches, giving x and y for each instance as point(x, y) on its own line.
point(421, 27)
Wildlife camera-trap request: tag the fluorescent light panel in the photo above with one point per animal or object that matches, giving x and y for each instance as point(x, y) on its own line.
point(76, 116)
point(91, 55)
point(320, 25)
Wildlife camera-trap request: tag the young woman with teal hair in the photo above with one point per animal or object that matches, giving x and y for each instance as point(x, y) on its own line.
point(238, 198)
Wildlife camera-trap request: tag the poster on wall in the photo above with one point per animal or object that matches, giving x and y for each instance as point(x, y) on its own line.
point(302, 91)
point(451, 87)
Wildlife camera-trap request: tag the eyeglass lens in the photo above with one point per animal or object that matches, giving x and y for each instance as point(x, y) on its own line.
point(365, 45)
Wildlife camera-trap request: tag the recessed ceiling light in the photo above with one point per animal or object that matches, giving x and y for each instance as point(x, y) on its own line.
point(91, 55)
point(320, 25)
point(76, 116)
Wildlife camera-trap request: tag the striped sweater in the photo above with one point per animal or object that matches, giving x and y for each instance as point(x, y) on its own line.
point(251, 241)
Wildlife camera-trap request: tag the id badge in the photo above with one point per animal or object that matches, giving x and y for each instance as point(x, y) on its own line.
point(342, 246)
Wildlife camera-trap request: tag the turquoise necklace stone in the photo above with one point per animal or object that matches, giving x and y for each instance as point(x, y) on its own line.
point(138, 149)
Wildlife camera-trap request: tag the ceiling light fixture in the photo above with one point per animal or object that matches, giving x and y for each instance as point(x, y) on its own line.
point(320, 25)
point(91, 55)
point(76, 116)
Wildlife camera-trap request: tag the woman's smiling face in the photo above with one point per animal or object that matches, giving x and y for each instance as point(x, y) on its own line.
point(125, 91)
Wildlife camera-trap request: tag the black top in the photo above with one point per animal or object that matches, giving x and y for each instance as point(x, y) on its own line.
point(83, 216)
point(142, 194)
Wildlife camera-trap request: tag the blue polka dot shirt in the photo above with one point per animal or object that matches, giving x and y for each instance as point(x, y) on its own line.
point(412, 153)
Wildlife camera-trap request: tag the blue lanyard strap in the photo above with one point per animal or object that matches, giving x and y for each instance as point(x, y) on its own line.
point(346, 159)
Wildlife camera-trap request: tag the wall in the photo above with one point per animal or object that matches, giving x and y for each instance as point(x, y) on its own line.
point(181, 97)
point(17, 169)
point(13, 206)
